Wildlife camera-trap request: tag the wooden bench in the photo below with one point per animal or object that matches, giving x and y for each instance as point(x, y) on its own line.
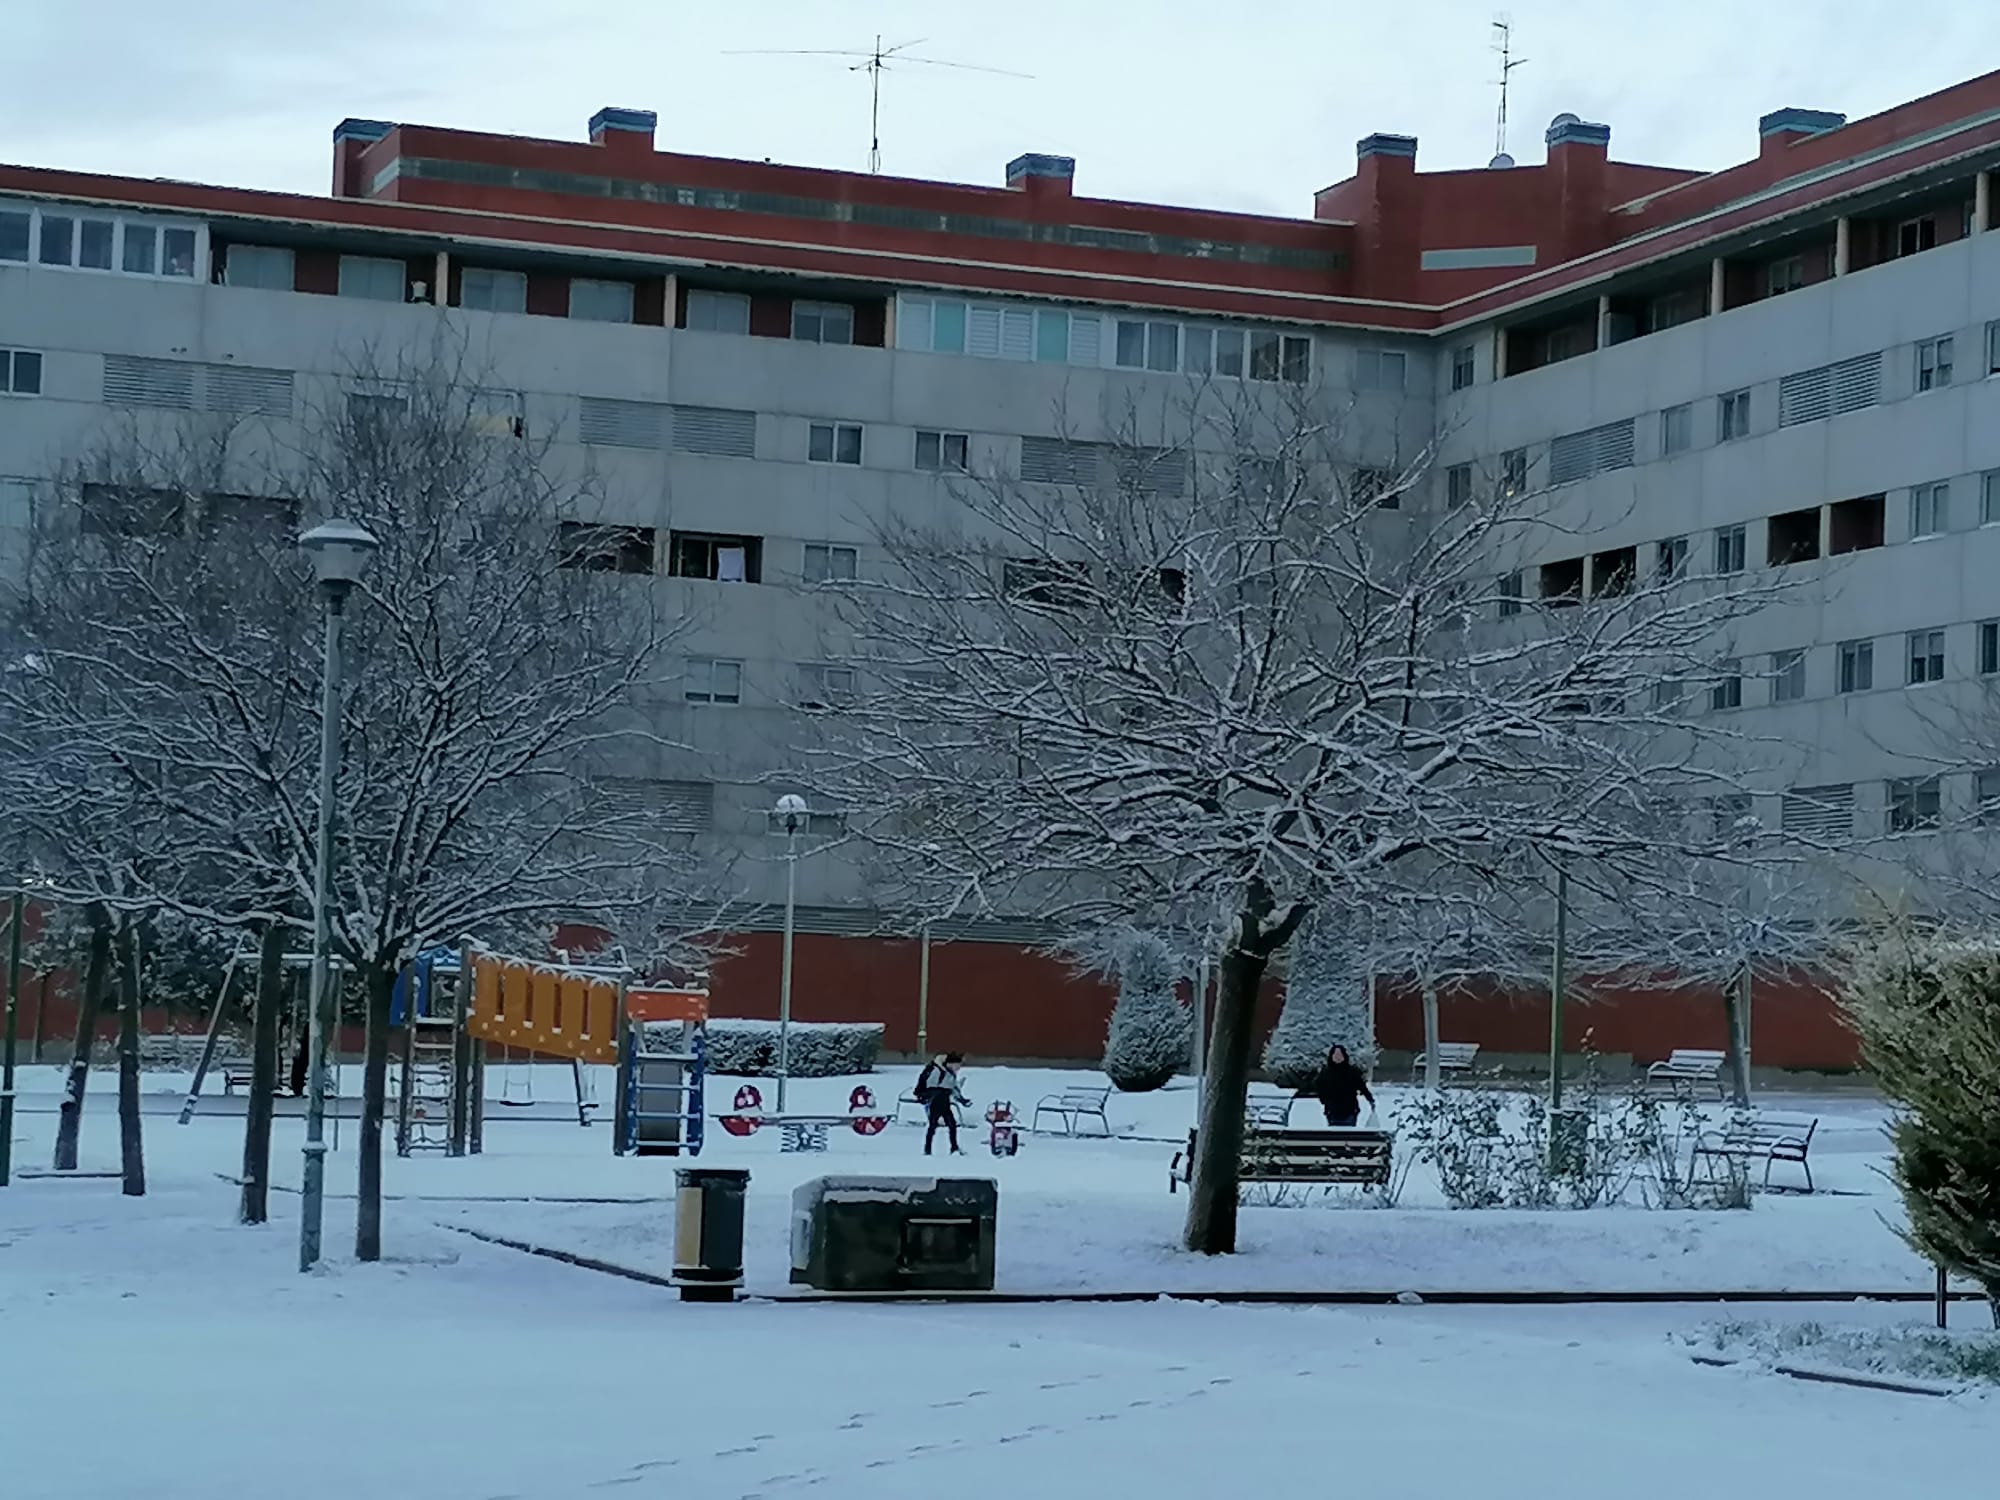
point(1686, 1070)
point(1771, 1138)
point(1269, 1111)
point(1073, 1105)
point(1316, 1158)
point(1453, 1058)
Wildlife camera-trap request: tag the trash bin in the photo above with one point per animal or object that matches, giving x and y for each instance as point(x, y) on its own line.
point(708, 1232)
point(893, 1234)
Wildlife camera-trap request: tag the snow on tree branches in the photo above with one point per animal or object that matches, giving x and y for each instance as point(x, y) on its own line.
point(1151, 1032)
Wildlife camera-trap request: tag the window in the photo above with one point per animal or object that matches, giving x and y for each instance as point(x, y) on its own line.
point(1989, 498)
point(1930, 509)
point(718, 312)
point(1669, 694)
point(726, 559)
point(1857, 666)
point(1732, 418)
point(1229, 352)
point(1726, 691)
point(1562, 582)
point(938, 451)
point(1731, 813)
point(600, 301)
point(1052, 338)
point(604, 549)
point(818, 823)
point(1914, 235)
point(20, 372)
point(1039, 581)
point(376, 280)
point(1379, 369)
point(15, 227)
point(1989, 647)
point(1374, 486)
point(1514, 472)
point(1792, 537)
point(1914, 803)
point(264, 266)
point(142, 255)
point(497, 414)
point(823, 322)
point(834, 443)
point(1986, 795)
point(1676, 308)
point(708, 680)
point(113, 510)
point(1934, 363)
point(1612, 572)
point(376, 415)
point(823, 562)
point(1784, 275)
point(1926, 656)
point(1510, 594)
point(1676, 429)
point(1144, 345)
point(1992, 338)
point(1854, 525)
point(1788, 675)
point(1729, 549)
point(1458, 485)
point(823, 684)
point(1461, 367)
point(493, 291)
point(1670, 563)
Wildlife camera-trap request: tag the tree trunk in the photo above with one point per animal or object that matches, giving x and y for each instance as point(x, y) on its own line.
point(96, 979)
point(1736, 1016)
point(381, 985)
point(266, 1010)
point(1432, 1078)
point(1211, 1220)
point(131, 1130)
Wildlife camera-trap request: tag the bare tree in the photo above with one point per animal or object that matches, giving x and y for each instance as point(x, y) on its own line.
point(1243, 673)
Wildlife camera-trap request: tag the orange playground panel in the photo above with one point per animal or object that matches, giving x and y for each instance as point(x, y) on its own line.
point(540, 1008)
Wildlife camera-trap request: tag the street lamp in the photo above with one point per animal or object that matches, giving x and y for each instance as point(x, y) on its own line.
point(339, 551)
point(793, 812)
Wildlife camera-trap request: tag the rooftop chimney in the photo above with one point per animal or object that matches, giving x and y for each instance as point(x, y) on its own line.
point(624, 130)
point(1578, 154)
point(1787, 127)
point(350, 139)
point(1040, 175)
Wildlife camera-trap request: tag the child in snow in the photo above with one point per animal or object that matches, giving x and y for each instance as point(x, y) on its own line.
point(939, 1086)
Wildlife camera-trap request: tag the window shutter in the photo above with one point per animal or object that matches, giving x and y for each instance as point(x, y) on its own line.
point(1578, 455)
point(148, 382)
point(1611, 445)
point(1806, 396)
point(982, 332)
point(1086, 340)
point(715, 430)
point(622, 424)
point(658, 806)
point(1569, 458)
point(247, 391)
point(1857, 382)
point(1017, 334)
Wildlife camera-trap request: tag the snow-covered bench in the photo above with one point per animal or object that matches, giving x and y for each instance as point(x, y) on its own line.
point(1313, 1157)
point(1073, 1105)
point(1771, 1138)
point(1271, 1110)
point(1686, 1070)
point(1453, 1058)
point(235, 1073)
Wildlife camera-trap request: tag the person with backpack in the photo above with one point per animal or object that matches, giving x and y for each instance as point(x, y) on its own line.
point(939, 1087)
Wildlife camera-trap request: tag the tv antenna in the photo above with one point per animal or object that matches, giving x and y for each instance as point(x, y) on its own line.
point(1503, 43)
point(875, 62)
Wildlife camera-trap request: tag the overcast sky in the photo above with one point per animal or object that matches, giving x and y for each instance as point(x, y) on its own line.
point(1251, 106)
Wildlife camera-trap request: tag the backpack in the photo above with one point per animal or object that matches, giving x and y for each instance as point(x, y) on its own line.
point(924, 1081)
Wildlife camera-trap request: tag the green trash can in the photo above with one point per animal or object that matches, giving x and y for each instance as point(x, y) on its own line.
point(895, 1234)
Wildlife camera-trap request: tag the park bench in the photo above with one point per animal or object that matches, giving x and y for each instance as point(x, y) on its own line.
point(1315, 1158)
point(1454, 1058)
point(1071, 1106)
point(1686, 1070)
point(1270, 1110)
point(235, 1073)
point(1758, 1136)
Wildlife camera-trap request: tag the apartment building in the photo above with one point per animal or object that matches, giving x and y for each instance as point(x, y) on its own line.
point(1780, 365)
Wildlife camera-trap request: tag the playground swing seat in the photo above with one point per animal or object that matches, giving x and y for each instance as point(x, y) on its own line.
point(517, 1080)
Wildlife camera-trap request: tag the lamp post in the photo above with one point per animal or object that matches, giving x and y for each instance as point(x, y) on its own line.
point(339, 551)
point(793, 812)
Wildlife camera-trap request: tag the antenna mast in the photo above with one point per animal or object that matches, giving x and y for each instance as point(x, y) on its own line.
point(1503, 43)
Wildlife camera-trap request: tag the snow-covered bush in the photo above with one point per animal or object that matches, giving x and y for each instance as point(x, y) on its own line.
point(1151, 1033)
point(816, 1049)
point(1928, 1011)
point(1326, 1003)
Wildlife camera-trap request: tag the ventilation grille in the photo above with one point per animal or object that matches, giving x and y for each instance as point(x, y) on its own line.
point(1819, 811)
point(657, 806)
point(248, 391)
point(1578, 455)
point(1827, 390)
point(1056, 461)
point(148, 382)
point(715, 430)
point(622, 424)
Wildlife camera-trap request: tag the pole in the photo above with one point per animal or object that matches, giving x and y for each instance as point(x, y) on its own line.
point(41, 1015)
point(11, 1039)
point(208, 1045)
point(1558, 985)
point(1200, 1036)
point(320, 1025)
point(785, 977)
point(924, 993)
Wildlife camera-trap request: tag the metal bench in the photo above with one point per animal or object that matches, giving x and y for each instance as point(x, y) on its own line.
point(235, 1073)
point(1071, 1106)
point(1269, 1111)
point(1316, 1158)
point(1686, 1070)
point(1771, 1138)
point(1453, 1058)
